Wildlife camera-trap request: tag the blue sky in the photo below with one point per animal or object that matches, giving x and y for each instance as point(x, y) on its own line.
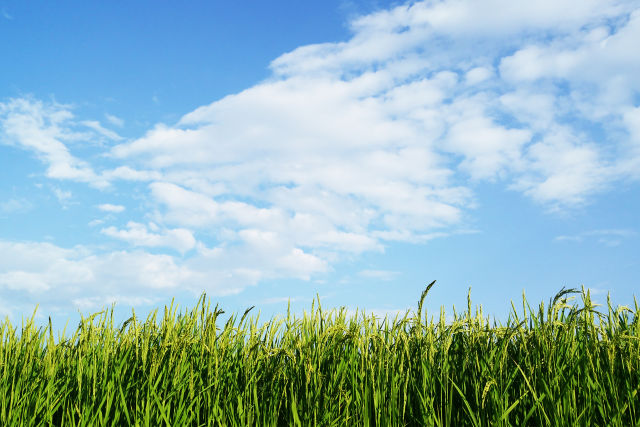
point(355, 150)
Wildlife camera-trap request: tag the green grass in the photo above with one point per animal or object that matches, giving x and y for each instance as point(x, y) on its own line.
point(563, 364)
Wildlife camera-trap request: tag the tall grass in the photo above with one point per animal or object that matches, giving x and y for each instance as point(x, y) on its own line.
point(563, 364)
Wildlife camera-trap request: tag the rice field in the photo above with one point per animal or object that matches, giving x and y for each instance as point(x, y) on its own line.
point(568, 362)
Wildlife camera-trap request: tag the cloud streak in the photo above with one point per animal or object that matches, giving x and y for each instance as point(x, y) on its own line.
point(608, 237)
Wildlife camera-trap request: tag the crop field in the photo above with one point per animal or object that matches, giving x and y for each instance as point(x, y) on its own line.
point(567, 362)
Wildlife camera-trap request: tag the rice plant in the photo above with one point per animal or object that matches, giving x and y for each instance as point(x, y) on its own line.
point(565, 363)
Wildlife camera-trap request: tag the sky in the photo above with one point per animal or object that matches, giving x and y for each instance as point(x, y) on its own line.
point(268, 153)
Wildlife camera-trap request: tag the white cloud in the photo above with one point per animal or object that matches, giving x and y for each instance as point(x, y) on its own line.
point(354, 144)
point(536, 110)
point(478, 75)
point(114, 120)
point(108, 207)
point(300, 264)
point(15, 205)
point(350, 145)
point(630, 165)
point(128, 174)
point(91, 304)
point(44, 129)
point(191, 209)
point(595, 62)
point(53, 276)
point(563, 170)
point(21, 280)
point(373, 121)
point(290, 160)
point(138, 234)
point(63, 196)
point(96, 126)
point(489, 150)
point(607, 237)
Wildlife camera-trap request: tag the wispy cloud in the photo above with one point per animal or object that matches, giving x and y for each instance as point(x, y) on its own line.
point(608, 237)
point(15, 205)
point(96, 126)
point(45, 129)
point(114, 120)
point(64, 196)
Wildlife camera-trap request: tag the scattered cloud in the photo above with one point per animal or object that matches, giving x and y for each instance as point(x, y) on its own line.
point(108, 207)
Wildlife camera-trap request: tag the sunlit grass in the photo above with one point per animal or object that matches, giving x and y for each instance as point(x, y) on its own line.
point(559, 364)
